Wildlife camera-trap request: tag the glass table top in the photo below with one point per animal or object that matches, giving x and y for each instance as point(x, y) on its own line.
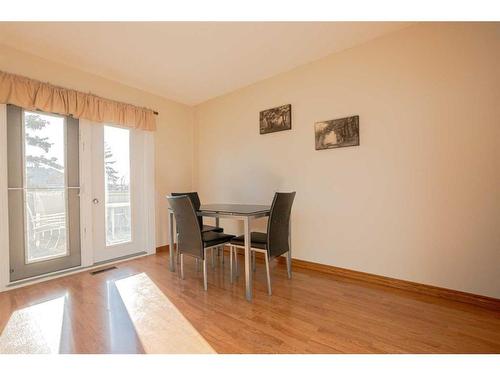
point(235, 209)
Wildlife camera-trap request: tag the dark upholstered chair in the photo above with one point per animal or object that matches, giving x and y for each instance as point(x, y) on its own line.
point(195, 200)
point(190, 239)
point(275, 242)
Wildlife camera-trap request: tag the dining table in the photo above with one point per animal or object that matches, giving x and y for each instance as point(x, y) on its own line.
point(240, 212)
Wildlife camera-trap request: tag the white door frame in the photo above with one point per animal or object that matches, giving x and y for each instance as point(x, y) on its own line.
point(85, 193)
point(148, 207)
point(146, 179)
point(149, 191)
point(4, 201)
point(104, 252)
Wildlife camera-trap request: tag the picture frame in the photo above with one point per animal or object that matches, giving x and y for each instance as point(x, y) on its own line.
point(275, 119)
point(342, 132)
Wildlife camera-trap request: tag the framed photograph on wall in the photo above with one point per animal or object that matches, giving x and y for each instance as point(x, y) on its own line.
point(276, 119)
point(343, 132)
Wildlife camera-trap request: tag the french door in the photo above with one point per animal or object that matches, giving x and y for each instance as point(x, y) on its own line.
point(73, 193)
point(117, 192)
point(43, 192)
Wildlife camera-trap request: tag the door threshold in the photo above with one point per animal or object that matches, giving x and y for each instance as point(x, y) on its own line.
point(100, 263)
point(69, 271)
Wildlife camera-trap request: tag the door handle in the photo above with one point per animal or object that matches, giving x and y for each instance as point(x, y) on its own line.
point(95, 201)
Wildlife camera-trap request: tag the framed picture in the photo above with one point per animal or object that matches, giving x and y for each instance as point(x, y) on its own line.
point(276, 119)
point(343, 132)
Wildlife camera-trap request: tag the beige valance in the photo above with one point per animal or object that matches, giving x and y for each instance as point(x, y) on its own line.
point(31, 94)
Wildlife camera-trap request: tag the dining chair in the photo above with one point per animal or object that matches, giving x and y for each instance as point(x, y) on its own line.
point(195, 200)
point(273, 243)
point(190, 238)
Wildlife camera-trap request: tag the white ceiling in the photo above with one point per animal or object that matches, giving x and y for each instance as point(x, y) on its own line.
point(189, 62)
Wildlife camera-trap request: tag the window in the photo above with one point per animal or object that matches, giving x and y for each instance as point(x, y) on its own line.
point(45, 186)
point(117, 185)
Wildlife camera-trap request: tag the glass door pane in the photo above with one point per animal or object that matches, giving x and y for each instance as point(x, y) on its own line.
point(118, 215)
point(43, 190)
point(45, 197)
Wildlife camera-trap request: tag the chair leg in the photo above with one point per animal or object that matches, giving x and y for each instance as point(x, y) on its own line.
point(222, 253)
point(182, 266)
point(269, 290)
point(212, 251)
point(254, 267)
point(205, 284)
point(289, 263)
point(235, 249)
point(177, 255)
point(231, 264)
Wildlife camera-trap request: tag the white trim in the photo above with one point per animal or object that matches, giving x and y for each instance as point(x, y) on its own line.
point(149, 192)
point(86, 228)
point(67, 272)
point(4, 202)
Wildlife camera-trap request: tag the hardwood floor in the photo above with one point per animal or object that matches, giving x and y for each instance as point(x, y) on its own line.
point(312, 313)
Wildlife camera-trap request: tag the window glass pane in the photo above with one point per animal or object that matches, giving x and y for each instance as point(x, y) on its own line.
point(45, 194)
point(44, 151)
point(117, 184)
point(45, 224)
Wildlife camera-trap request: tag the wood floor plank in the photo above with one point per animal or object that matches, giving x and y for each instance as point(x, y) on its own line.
point(312, 313)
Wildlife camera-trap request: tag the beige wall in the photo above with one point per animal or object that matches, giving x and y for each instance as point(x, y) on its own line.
point(419, 199)
point(173, 139)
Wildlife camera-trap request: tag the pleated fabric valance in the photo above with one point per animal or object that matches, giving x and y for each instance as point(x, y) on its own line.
point(35, 95)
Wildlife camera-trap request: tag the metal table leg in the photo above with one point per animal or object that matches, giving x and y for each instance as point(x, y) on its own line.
point(217, 221)
point(171, 241)
point(248, 271)
point(289, 253)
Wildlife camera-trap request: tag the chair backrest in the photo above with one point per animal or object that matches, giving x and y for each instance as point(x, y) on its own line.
point(195, 200)
point(188, 230)
point(278, 225)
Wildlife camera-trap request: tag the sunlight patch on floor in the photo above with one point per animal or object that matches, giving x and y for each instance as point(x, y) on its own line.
point(34, 329)
point(160, 326)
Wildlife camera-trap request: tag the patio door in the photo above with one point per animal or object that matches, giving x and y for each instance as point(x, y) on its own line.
point(43, 192)
point(117, 196)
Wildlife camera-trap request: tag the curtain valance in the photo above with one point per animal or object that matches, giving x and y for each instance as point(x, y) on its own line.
point(31, 94)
